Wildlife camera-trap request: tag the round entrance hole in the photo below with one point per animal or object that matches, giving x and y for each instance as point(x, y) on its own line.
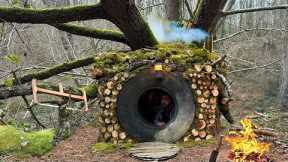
point(136, 115)
point(156, 107)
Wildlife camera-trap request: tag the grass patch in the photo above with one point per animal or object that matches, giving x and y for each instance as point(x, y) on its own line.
point(103, 147)
point(109, 147)
point(23, 143)
point(192, 143)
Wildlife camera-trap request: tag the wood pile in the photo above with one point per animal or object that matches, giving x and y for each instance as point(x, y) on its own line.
point(108, 92)
point(203, 82)
point(202, 69)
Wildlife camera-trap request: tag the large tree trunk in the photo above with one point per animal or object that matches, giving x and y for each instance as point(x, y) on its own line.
point(209, 14)
point(172, 9)
point(126, 16)
point(284, 82)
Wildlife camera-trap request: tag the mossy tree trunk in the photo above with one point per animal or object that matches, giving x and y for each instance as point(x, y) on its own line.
point(126, 16)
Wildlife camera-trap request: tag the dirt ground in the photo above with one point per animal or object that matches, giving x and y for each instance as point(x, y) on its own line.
point(78, 148)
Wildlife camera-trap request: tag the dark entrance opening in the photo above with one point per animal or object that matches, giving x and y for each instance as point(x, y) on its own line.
point(156, 107)
point(135, 113)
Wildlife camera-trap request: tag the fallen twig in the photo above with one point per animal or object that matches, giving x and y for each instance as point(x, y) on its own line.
point(263, 132)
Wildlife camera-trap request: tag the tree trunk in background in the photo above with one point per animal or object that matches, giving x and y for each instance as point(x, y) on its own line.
point(209, 15)
point(284, 82)
point(173, 9)
point(284, 65)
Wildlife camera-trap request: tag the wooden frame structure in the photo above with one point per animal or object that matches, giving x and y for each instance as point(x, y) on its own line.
point(59, 93)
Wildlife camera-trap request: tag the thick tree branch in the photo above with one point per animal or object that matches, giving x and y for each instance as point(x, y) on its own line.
point(209, 13)
point(125, 15)
point(26, 89)
point(189, 9)
point(248, 30)
point(45, 74)
point(226, 13)
point(53, 15)
point(93, 33)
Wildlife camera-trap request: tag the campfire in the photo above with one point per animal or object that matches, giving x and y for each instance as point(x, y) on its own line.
point(244, 145)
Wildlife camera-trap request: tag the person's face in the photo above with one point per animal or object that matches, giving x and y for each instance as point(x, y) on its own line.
point(165, 101)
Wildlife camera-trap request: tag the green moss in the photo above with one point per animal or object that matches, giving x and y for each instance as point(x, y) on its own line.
point(109, 147)
point(8, 82)
point(126, 146)
point(103, 147)
point(90, 90)
point(192, 143)
point(22, 143)
point(39, 142)
point(177, 53)
point(96, 33)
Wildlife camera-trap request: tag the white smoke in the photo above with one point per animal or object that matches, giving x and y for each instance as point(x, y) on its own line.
point(167, 31)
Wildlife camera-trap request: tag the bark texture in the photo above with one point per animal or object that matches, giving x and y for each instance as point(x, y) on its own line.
point(209, 14)
point(173, 9)
point(125, 15)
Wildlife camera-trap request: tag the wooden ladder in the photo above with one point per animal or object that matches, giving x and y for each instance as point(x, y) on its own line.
point(59, 93)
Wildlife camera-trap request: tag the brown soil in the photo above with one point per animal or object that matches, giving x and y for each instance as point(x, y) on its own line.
point(78, 148)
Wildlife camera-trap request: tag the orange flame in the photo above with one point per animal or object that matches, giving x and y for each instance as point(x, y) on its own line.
point(244, 144)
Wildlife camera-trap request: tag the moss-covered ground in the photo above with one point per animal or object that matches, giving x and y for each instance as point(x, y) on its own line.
point(109, 147)
point(23, 143)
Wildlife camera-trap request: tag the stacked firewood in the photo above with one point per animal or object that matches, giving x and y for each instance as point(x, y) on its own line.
point(108, 92)
point(203, 84)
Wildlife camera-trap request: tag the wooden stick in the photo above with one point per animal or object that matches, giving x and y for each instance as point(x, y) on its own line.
point(215, 152)
point(34, 90)
point(259, 132)
point(55, 93)
point(85, 101)
point(61, 88)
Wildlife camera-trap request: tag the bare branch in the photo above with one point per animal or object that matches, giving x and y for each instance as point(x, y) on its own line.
point(247, 30)
point(93, 33)
point(148, 7)
point(52, 15)
point(256, 67)
point(282, 7)
point(189, 9)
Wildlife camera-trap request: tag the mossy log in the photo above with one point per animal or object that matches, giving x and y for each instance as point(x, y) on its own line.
point(94, 33)
point(52, 15)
